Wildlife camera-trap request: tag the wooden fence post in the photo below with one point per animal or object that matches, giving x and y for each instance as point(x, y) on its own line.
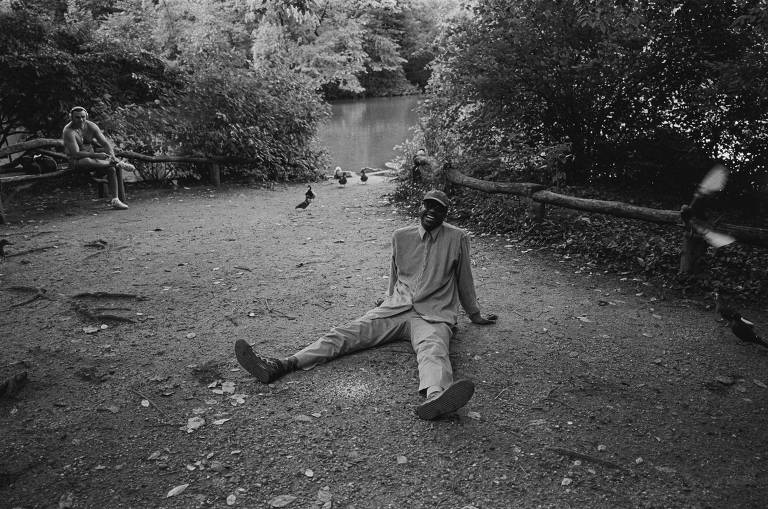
point(535, 209)
point(692, 250)
point(215, 174)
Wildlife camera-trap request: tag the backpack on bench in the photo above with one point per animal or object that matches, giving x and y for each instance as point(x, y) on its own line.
point(38, 164)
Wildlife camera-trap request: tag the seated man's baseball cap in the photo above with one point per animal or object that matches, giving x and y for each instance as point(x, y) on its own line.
point(439, 196)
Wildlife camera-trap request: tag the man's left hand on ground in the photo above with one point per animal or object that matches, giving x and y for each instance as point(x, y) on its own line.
point(483, 320)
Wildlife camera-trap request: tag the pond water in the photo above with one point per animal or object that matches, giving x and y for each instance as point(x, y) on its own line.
point(363, 132)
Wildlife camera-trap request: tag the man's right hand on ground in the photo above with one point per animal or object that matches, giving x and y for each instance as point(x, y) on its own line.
point(479, 319)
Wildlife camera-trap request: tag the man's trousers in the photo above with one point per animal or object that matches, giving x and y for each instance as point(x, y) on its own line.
point(430, 341)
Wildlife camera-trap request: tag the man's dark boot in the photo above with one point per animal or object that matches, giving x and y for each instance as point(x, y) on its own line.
point(265, 369)
point(448, 401)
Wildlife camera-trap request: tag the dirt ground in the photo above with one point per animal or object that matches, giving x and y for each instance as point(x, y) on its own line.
point(593, 390)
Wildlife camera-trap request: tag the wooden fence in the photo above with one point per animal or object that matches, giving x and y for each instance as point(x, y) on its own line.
point(43, 146)
point(538, 197)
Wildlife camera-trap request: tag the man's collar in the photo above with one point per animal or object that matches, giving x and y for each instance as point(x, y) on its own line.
point(433, 234)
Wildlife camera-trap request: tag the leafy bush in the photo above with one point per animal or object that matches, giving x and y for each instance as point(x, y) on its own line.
point(46, 68)
point(261, 121)
point(644, 92)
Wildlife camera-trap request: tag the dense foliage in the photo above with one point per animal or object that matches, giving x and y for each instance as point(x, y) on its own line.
point(641, 92)
point(46, 68)
point(233, 78)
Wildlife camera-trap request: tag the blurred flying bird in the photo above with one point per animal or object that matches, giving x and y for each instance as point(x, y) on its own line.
point(694, 214)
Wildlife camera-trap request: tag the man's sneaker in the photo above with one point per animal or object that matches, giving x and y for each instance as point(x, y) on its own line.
point(117, 204)
point(266, 369)
point(451, 399)
point(125, 166)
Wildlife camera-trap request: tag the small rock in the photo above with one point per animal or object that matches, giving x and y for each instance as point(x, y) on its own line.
point(725, 380)
point(281, 500)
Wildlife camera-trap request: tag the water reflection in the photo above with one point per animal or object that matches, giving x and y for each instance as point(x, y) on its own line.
point(363, 132)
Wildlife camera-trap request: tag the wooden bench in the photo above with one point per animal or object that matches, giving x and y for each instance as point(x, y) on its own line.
point(19, 180)
point(43, 145)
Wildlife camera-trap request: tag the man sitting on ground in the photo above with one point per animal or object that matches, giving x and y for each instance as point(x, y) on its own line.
point(430, 275)
point(88, 149)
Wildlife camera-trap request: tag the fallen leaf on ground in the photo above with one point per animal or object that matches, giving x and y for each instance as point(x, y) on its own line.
point(302, 418)
point(66, 501)
point(401, 460)
point(219, 422)
point(473, 415)
point(324, 494)
point(177, 490)
point(91, 329)
point(194, 423)
point(281, 500)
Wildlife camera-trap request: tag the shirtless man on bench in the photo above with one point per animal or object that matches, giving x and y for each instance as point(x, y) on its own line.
point(88, 149)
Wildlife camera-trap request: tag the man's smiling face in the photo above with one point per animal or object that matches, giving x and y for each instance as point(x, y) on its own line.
point(432, 214)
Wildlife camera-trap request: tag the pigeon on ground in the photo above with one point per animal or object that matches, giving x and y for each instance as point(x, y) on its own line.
point(740, 326)
point(3, 243)
point(309, 195)
point(343, 180)
point(363, 176)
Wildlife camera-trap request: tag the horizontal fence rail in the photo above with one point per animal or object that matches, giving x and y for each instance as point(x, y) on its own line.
point(537, 193)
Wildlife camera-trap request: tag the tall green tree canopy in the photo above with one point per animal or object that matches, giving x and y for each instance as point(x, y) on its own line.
point(631, 87)
point(47, 66)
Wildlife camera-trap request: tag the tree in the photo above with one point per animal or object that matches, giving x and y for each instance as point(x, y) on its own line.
point(47, 68)
point(615, 81)
point(331, 42)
